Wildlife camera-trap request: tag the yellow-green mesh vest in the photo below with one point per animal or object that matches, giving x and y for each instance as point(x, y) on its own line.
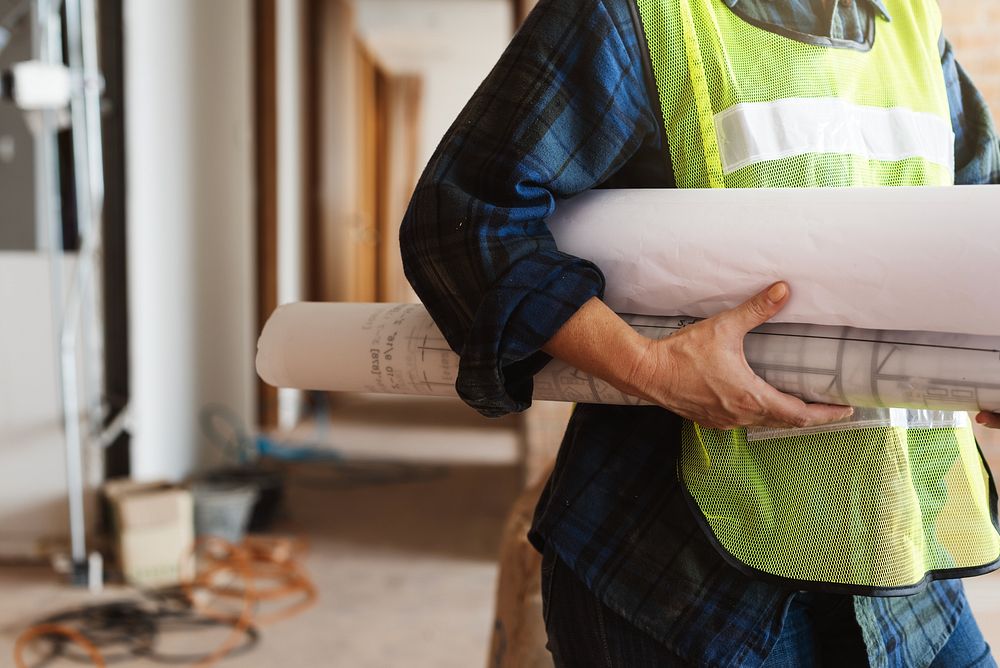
point(877, 510)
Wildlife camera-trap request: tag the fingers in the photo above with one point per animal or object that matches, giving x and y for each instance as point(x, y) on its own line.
point(760, 308)
point(791, 411)
point(989, 420)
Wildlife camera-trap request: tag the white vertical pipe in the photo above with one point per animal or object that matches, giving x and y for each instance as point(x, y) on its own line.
point(47, 47)
point(290, 68)
point(190, 201)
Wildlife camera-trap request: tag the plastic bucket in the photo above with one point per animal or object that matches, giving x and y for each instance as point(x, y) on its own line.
point(223, 510)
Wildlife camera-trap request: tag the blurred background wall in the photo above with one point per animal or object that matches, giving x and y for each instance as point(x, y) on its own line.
point(273, 146)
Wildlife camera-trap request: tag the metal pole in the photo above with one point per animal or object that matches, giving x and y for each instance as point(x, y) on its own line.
point(88, 167)
point(47, 47)
point(77, 314)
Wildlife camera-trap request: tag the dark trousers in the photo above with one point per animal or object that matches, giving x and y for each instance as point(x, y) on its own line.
point(820, 630)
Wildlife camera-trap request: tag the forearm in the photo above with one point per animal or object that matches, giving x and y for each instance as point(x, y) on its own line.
point(597, 341)
point(699, 372)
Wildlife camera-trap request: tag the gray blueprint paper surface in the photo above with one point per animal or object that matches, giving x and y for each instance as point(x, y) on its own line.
point(397, 349)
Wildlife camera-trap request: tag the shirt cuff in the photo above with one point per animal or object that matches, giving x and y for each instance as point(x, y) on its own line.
point(518, 316)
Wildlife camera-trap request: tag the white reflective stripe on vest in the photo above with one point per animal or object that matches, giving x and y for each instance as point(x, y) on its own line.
point(758, 131)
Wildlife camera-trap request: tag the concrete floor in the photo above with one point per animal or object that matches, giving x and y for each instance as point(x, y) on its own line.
point(405, 574)
point(402, 549)
point(403, 558)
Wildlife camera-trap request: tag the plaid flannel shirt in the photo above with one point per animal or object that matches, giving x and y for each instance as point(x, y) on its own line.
point(568, 108)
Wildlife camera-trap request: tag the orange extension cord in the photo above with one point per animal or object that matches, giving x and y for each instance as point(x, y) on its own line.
point(256, 560)
point(55, 630)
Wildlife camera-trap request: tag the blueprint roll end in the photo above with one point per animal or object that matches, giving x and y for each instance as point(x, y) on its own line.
point(270, 350)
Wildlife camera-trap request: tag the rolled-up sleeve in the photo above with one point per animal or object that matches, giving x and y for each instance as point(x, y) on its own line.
point(564, 108)
point(977, 147)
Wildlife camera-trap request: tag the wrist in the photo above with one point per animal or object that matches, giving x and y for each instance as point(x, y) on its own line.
point(640, 367)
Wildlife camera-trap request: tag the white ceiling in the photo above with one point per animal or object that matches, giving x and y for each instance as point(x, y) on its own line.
point(410, 35)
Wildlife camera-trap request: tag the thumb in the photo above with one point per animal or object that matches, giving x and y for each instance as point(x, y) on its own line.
point(760, 308)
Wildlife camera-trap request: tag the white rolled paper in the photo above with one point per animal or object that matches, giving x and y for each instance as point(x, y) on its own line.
point(909, 259)
point(397, 349)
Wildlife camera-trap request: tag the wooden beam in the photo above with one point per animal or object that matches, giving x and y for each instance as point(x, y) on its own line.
point(521, 10)
point(267, 187)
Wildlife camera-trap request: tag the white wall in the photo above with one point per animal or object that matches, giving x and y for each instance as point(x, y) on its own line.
point(188, 79)
point(33, 489)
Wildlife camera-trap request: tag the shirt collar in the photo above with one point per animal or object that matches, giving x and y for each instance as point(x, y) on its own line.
point(879, 6)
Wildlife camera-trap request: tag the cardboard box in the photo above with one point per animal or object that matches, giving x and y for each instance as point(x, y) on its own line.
point(154, 531)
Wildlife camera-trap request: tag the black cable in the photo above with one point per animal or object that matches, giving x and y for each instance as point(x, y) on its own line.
point(129, 629)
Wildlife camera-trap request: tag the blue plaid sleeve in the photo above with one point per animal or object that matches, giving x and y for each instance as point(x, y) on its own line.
point(977, 147)
point(564, 108)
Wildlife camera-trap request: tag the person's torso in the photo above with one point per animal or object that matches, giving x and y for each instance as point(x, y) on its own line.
point(594, 498)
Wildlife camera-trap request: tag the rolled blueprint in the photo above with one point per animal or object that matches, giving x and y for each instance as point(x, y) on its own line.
point(397, 349)
point(909, 259)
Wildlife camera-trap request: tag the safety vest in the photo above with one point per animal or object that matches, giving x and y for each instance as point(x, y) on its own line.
point(874, 508)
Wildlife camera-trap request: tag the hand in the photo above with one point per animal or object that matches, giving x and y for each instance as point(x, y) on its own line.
point(701, 374)
point(988, 419)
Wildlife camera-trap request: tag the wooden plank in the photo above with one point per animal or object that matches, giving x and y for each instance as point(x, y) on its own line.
point(521, 10)
point(399, 122)
point(314, 238)
point(365, 238)
point(267, 187)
